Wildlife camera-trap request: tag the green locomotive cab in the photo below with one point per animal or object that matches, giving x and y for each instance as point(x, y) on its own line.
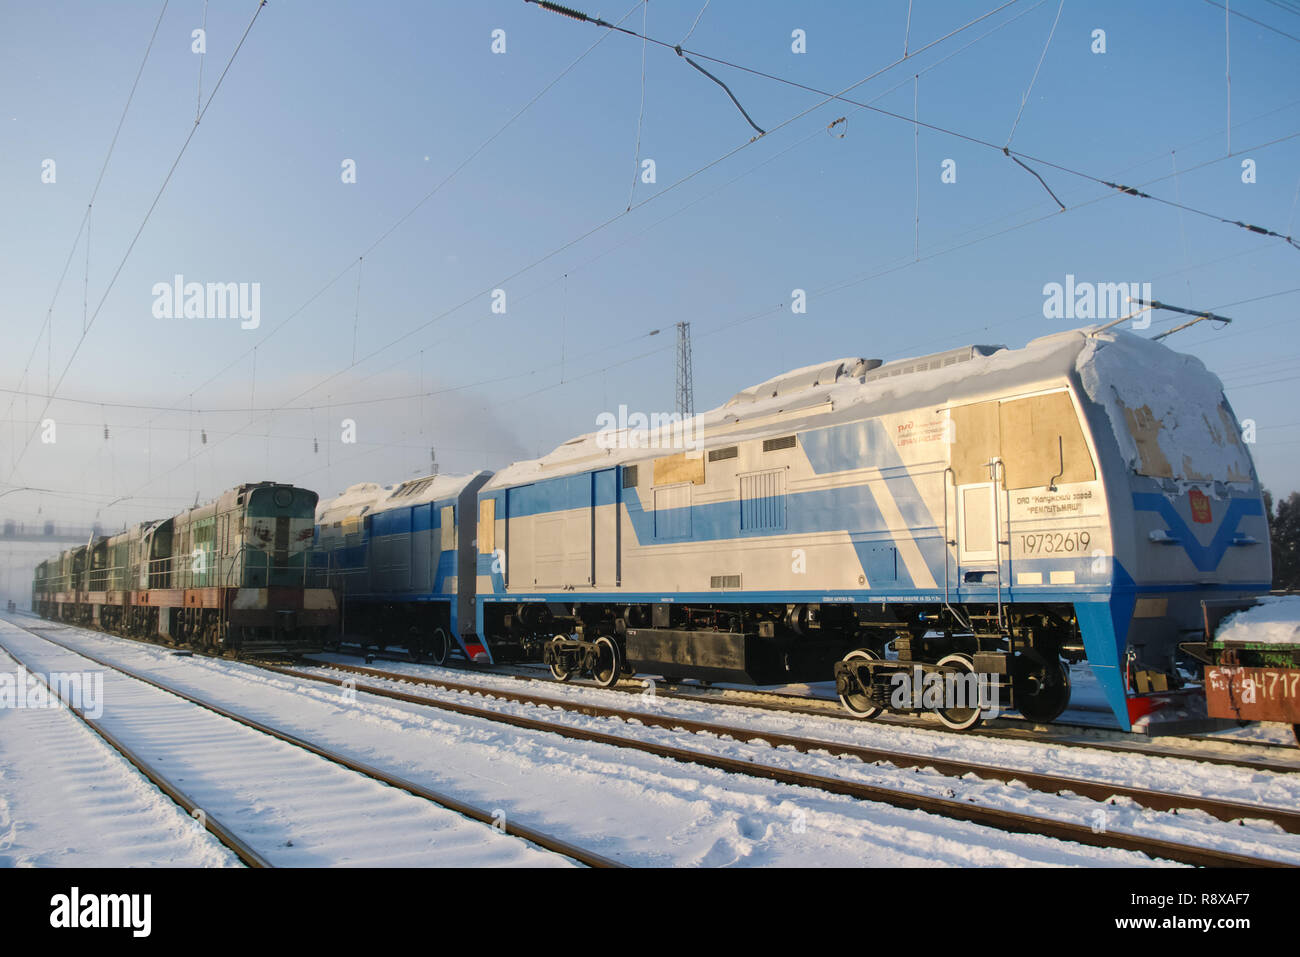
point(277, 524)
point(228, 576)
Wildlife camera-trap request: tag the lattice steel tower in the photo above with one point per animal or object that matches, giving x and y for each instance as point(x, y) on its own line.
point(685, 377)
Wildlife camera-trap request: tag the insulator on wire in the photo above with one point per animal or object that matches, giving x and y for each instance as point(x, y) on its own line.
point(203, 435)
point(315, 446)
point(105, 433)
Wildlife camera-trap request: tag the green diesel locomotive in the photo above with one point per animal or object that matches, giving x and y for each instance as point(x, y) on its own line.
point(228, 576)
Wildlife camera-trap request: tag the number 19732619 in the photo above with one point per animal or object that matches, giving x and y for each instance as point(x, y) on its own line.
point(1045, 543)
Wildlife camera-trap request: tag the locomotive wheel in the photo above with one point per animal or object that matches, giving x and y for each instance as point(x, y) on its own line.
point(1050, 697)
point(558, 671)
point(959, 719)
point(609, 664)
point(439, 647)
point(859, 704)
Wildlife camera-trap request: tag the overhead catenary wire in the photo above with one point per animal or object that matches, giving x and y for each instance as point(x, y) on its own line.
point(356, 312)
point(103, 168)
point(916, 158)
point(571, 378)
point(1227, 65)
point(1034, 79)
point(1017, 156)
point(198, 99)
point(771, 159)
point(600, 226)
point(1182, 225)
point(85, 284)
point(1295, 202)
point(396, 224)
point(656, 196)
point(244, 409)
point(696, 23)
point(1288, 5)
point(1237, 13)
point(144, 222)
point(640, 117)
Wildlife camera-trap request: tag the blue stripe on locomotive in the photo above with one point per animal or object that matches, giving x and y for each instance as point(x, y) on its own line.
point(404, 521)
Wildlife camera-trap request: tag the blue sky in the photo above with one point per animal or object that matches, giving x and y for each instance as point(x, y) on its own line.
point(410, 91)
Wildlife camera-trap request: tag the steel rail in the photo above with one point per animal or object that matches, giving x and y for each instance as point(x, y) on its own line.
point(532, 835)
point(1010, 821)
point(902, 721)
point(1224, 810)
point(218, 830)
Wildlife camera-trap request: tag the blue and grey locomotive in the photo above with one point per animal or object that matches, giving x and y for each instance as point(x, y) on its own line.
point(393, 555)
point(982, 510)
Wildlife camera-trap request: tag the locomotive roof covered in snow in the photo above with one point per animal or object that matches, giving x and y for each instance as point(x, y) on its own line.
point(1167, 411)
point(1119, 370)
point(366, 498)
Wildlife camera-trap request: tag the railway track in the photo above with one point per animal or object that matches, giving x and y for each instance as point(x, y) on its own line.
point(1286, 761)
point(1001, 819)
point(1013, 822)
point(448, 802)
point(1288, 820)
point(166, 785)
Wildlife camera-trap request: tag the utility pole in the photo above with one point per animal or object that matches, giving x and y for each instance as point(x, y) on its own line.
point(685, 377)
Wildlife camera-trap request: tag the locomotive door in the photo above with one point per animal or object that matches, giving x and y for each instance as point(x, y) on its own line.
point(425, 546)
point(604, 528)
point(519, 540)
point(977, 538)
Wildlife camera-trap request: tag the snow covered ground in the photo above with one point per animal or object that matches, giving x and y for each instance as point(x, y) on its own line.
point(294, 808)
point(67, 798)
point(645, 810)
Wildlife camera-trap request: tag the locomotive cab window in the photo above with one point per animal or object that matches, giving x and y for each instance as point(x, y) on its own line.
point(1038, 438)
point(1042, 443)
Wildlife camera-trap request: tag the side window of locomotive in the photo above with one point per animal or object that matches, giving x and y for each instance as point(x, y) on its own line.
point(448, 520)
point(1042, 443)
point(487, 526)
